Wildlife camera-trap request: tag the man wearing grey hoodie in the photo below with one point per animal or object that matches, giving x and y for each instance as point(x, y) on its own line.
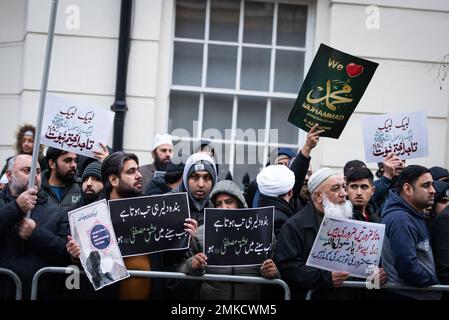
point(198, 179)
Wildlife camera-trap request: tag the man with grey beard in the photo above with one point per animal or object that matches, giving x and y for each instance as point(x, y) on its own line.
point(328, 193)
point(28, 244)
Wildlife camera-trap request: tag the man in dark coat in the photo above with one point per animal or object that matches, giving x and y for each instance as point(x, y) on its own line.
point(29, 244)
point(298, 234)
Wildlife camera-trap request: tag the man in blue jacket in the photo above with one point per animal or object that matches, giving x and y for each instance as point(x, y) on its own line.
point(407, 252)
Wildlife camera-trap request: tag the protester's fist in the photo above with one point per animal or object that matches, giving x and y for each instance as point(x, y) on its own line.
point(73, 247)
point(191, 226)
point(199, 261)
point(338, 278)
point(27, 200)
point(269, 269)
point(26, 228)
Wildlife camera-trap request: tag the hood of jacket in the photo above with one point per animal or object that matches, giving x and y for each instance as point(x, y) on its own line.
point(395, 202)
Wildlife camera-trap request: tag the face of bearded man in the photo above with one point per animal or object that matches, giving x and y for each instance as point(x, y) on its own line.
point(331, 209)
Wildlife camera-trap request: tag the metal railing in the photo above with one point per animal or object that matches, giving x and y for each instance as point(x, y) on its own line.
point(392, 286)
point(16, 280)
point(168, 275)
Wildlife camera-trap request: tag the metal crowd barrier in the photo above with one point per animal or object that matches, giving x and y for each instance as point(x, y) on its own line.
point(170, 275)
point(394, 286)
point(16, 280)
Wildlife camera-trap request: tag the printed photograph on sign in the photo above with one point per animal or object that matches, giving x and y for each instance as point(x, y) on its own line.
point(100, 255)
point(75, 127)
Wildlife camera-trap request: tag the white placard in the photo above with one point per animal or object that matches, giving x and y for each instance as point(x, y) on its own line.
point(347, 246)
point(75, 127)
point(404, 134)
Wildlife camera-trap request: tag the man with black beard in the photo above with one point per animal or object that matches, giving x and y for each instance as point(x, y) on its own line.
point(91, 183)
point(162, 153)
point(59, 183)
point(122, 179)
point(28, 244)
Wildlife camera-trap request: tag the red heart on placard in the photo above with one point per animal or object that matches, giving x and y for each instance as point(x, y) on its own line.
point(354, 70)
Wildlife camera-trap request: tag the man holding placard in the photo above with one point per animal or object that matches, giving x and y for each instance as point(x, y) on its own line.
point(226, 195)
point(328, 191)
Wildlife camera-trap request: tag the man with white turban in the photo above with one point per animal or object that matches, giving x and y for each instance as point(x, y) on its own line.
point(295, 241)
point(276, 188)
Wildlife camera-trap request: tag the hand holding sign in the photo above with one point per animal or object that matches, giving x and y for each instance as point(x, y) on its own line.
point(312, 140)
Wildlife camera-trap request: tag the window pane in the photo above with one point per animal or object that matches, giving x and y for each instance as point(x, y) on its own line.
point(221, 157)
point(258, 22)
point(286, 132)
point(291, 29)
point(251, 115)
point(289, 71)
point(190, 17)
point(255, 69)
point(187, 63)
point(222, 61)
point(217, 113)
point(183, 110)
point(224, 20)
point(245, 162)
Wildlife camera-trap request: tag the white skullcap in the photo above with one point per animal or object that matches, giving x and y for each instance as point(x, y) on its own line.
point(161, 139)
point(4, 180)
point(275, 180)
point(319, 177)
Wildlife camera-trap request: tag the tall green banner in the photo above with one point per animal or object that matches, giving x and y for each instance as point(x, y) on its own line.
point(331, 91)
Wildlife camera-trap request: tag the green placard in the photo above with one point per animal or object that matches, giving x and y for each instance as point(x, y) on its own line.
point(331, 91)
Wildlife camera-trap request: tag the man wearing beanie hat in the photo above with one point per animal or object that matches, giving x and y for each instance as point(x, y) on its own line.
point(275, 184)
point(198, 179)
point(162, 153)
point(328, 192)
point(92, 183)
point(225, 195)
point(439, 174)
point(441, 201)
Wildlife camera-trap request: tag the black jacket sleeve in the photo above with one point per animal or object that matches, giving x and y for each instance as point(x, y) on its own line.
point(299, 167)
point(291, 258)
point(9, 216)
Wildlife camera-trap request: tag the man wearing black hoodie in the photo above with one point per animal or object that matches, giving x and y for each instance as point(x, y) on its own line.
point(407, 252)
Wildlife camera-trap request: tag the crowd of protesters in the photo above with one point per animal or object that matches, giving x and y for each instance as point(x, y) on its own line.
point(411, 201)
